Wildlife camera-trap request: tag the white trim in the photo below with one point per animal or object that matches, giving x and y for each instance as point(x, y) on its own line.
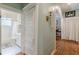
point(53, 52)
point(27, 7)
point(10, 8)
point(36, 27)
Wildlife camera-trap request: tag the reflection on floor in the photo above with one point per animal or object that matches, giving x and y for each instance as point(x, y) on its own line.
point(66, 47)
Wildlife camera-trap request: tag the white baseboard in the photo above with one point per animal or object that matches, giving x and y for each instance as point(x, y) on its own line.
point(53, 52)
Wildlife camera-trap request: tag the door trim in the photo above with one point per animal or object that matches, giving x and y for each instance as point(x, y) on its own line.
point(25, 10)
point(27, 7)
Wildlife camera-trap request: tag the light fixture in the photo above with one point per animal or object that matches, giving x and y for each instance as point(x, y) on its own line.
point(53, 8)
point(69, 3)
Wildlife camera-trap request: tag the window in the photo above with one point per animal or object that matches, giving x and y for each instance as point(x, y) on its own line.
point(6, 21)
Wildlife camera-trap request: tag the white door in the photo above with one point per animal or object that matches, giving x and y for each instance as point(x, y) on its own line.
point(29, 31)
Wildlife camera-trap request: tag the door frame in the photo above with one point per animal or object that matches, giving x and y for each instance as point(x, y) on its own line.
point(53, 17)
point(26, 9)
point(61, 16)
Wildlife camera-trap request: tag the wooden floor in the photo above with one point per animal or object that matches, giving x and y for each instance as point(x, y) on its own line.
point(66, 47)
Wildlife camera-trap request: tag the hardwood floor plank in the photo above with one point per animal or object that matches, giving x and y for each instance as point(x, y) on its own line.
point(66, 47)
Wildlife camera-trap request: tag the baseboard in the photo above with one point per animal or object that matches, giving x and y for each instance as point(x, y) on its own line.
point(21, 53)
point(53, 52)
point(71, 40)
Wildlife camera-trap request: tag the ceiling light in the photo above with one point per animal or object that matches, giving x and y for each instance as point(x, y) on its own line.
point(69, 3)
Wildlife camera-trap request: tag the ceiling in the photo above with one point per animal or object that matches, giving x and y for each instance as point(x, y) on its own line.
point(19, 6)
point(65, 6)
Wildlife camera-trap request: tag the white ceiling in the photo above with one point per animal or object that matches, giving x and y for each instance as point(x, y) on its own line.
point(65, 6)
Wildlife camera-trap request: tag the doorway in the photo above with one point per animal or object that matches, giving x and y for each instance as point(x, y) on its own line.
point(10, 32)
point(68, 43)
point(58, 18)
point(57, 14)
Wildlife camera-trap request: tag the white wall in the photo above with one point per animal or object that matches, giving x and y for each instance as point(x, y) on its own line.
point(46, 36)
point(70, 28)
point(29, 31)
point(6, 35)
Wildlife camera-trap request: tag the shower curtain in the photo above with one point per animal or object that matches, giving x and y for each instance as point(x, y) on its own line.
point(70, 28)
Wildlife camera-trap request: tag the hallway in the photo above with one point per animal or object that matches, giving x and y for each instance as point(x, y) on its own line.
point(66, 47)
point(32, 30)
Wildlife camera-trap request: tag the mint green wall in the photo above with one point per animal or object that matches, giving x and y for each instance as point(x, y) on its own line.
point(46, 35)
point(23, 4)
point(16, 5)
